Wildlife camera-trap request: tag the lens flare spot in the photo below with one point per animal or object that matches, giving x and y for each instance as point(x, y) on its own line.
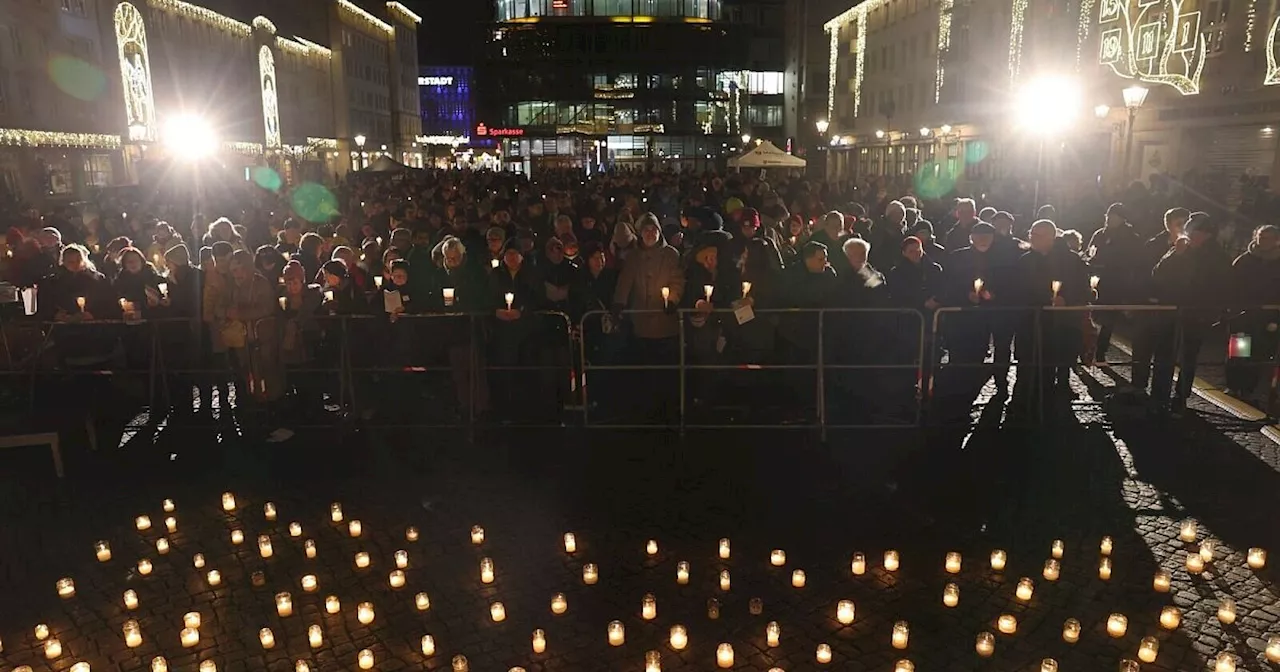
point(76, 78)
point(314, 203)
point(266, 178)
point(976, 152)
point(934, 180)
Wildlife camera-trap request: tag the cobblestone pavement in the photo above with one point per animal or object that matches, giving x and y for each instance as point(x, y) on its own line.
point(1105, 471)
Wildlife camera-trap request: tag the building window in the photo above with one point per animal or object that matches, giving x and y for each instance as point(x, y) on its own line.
point(97, 170)
point(764, 83)
point(764, 115)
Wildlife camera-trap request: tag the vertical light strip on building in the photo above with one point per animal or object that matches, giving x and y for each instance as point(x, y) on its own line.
point(135, 72)
point(944, 43)
point(270, 97)
point(1016, 22)
point(1082, 29)
point(1251, 17)
point(859, 64)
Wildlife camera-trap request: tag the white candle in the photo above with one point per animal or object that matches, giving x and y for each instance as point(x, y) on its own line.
point(130, 600)
point(1024, 590)
point(355, 528)
point(102, 550)
point(422, 601)
point(823, 654)
point(237, 537)
point(985, 644)
point(42, 632)
point(449, 293)
point(798, 578)
point(1071, 631)
point(460, 664)
point(1273, 649)
point(1104, 569)
point(428, 645)
point(132, 634)
point(486, 570)
point(950, 595)
point(1161, 581)
point(539, 641)
point(364, 613)
point(315, 636)
point(1056, 286)
point(1225, 662)
point(269, 511)
point(159, 664)
point(1170, 618)
point(777, 557)
point(332, 604)
point(1105, 545)
point(845, 611)
point(1195, 563)
point(570, 543)
point(724, 579)
point(1148, 649)
point(143, 523)
point(228, 501)
point(977, 285)
point(191, 619)
point(1257, 558)
point(66, 587)
point(328, 296)
point(859, 564)
point(746, 289)
point(295, 529)
point(493, 263)
point(652, 661)
point(190, 637)
point(901, 634)
point(80, 303)
point(365, 659)
point(707, 290)
point(264, 546)
point(1117, 625)
point(267, 638)
point(590, 574)
point(497, 612)
point(198, 560)
point(144, 566)
point(998, 560)
point(377, 281)
point(396, 578)
point(1206, 550)
point(724, 543)
point(651, 547)
point(284, 604)
point(905, 665)
point(649, 607)
point(171, 524)
point(477, 535)
point(682, 573)
point(335, 512)
point(362, 559)
point(309, 547)
point(1188, 530)
point(162, 546)
point(891, 561)
point(1227, 611)
point(724, 655)
point(952, 563)
point(666, 295)
point(411, 533)
point(1052, 570)
point(284, 302)
point(509, 298)
point(1057, 549)
point(168, 506)
point(559, 604)
point(52, 648)
point(617, 633)
point(309, 583)
point(772, 633)
point(1007, 623)
point(679, 637)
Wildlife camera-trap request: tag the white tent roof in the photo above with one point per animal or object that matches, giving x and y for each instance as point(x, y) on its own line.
point(766, 155)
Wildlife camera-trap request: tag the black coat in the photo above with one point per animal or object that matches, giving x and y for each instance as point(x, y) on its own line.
point(1113, 251)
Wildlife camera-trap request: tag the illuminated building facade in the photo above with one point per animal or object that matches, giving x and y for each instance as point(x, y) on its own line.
point(603, 83)
point(448, 110)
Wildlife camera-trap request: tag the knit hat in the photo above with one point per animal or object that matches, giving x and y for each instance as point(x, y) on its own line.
point(709, 219)
point(1199, 221)
point(982, 228)
point(811, 248)
point(923, 225)
point(178, 254)
point(293, 271)
point(910, 240)
point(749, 217)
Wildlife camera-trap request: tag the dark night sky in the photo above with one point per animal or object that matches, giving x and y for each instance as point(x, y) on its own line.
point(453, 31)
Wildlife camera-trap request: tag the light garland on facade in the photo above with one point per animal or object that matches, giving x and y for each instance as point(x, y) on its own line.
point(396, 8)
point(1251, 17)
point(323, 51)
point(1016, 22)
point(246, 148)
point(263, 23)
point(290, 47)
point(832, 59)
point(135, 72)
point(944, 44)
point(354, 10)
point(1273, 69)
point(197, 13)
point(1082, 30)
point(323, 143)
point(1120, 46)
point(270, 97)
point(17, 137)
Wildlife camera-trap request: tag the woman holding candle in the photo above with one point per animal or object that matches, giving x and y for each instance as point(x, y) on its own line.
point(76, 278)
point(139, 285)
point(705, 336)
point(249, 298)
point(515, 292)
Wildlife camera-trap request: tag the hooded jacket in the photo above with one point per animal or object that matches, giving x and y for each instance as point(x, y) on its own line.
point(646, 271)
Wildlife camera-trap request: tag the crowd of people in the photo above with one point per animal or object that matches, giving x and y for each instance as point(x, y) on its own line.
point(505, 276)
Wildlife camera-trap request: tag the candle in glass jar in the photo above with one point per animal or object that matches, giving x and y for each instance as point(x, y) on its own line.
point(1052, 570)
point(858, 565)
point(1206, 550)
point(1257, 558)
point(1148, 649)
point(652, 661)
point(1225, 662)
point(130, 600)
point(1227, 611)
point(332, 604)
point(258, 579)
point(365, 659)
point(977, 285)
point(649, 607)
point(998, 560)
point(295, 529)
point(80, 667)
point(144, 566)
point(823, 654)
point(985, 644)
point(724, 548)
point(1195, 563)
point(411, 533)
point(1057, 549)
point(682, 572)
point(1170, 618)
point(590, 574)
point(477, 535)
point(309, 547)
point(158, 664)
point(724, 579)
point(952, 563)
point(1048, 665)
point(1162, 581)
point(171, 524)
point(1007, 623)
point(460, 664)
point(396, 578)
point(570, 543)
point(364, 613)
point(559, 604)
point(1071, 631)
point(1117, 625)
point(264, 546)
point(1188, 530)
point(1273, 649)
point(950, 595)
point(905, 665)
point(162, 546)
point(269, 510)
point(422, 601)
point(41, 632)
point(191, 619)
point(486, 570)
point(1106, 545)
point(309, 583)
point(102, 550)
point(448, 293)
point(168, 506)
point(901, 633)
point(679, 637)
point(798, 578)
point(143, 523)
point(617, 633)
point(539, 641)
point(284, 604)
point(497, 612)
point(267, 638)
point(428, 645)
point(772, 633)
point(52, 648)
point(190, 637)
point(845, 611)
point(777, 557)
point(713, 608)
point(724, 655)
point(1104, 569)
point(228, 501)
point(362, 560)
point(237, 537)
point(1024, 590)
point(198, 560)
point(132, 634)
point(891, 561)
point(66, 587)
point(315, 636)
point(355, 528)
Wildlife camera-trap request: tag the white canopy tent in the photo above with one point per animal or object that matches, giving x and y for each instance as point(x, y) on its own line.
point(766, 155)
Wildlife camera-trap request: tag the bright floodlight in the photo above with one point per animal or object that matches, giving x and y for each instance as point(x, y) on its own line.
point(190, 137)
point(1048, 104)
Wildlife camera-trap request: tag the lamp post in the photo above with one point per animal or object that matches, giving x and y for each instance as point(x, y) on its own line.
point(746, 138)
point(822, 125)
point(1134, 97)
point(360, 139)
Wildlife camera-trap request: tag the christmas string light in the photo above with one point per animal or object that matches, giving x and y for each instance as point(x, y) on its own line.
point(197, 13)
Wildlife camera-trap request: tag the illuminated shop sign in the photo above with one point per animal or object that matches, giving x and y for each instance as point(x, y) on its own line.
point(435, 81)
point(485, 131)
point(443, 140)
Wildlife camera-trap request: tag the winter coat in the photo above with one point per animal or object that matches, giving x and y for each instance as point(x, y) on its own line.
point(644, 273)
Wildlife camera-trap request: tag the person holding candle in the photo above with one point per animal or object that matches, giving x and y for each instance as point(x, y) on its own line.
point(652, 265)
point(451, 338)
point(76, 278)
point(1195, 276)
point(1153, 335)
point(139, 285)
point(706, 336)
point(976, 275)
point(513, 339)
point(250, 298)
point(1111, 252)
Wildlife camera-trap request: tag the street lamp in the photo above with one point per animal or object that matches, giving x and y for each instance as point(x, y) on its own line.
point(1134, 97)
point(746, 138)
point(879, 134)
point(822, 125)
point(1102, 111)
point(360, 143)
